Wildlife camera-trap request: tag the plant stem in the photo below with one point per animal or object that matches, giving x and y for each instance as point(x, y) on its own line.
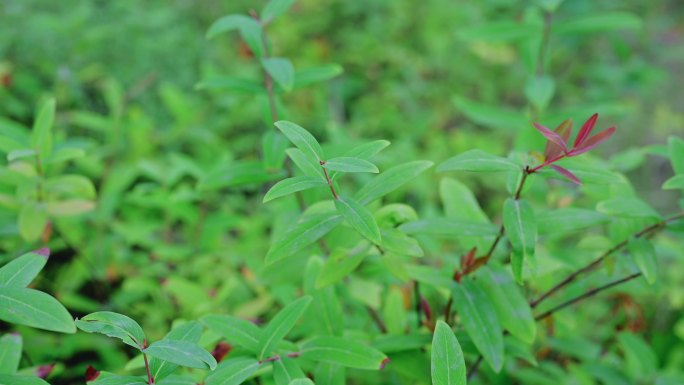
point(376, 318)
point(586, 295)
point(473, 369)
point(570, 278)
point(327, 178)
point(150, 379)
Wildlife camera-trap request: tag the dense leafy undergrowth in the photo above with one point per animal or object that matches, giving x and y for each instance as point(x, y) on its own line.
point(208, 237)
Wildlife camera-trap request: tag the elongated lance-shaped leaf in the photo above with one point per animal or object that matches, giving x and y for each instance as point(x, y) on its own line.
point(585, 131)
point(552, 136)
point(10, 353)
point(345, 352)
point(22, 270)
point(237, 331)
point(359, 218)
point(367, 150)
point(350, 164)
point(12, 379)
point(230, 23)
point(233, 371)
point(644, 255)
point(511, 307)
point(189, 332)
point(301, 381)
point(281, 70)
point(41, 137)
point(477, 161)
point(114, 325)
point(275, 8)
point(448, 227)
point(286, 370)
point(330, 374)
point(521, 227)
point(183, 353)
point(281, 324)
point(391, 180)
point(480, 321)
point(317, 74)
point(447, 362)
point(34, 308)
point(301, 138)
point(306, 163)
point(305, 232)
point(292, 185)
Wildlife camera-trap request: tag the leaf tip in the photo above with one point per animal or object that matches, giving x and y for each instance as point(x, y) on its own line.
point(384, 363)
point(44, 252)
point(91, 374)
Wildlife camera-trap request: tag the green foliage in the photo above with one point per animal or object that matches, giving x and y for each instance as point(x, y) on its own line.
point(253, 250)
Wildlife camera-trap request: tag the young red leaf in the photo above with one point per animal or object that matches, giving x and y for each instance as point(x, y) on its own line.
point(91, 374)
point(587, 127)
point(593, 141)
point(553, 150)
point(566, 173)
point(552, 136)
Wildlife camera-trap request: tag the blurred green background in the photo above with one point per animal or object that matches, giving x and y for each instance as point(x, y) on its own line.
point(435, 77)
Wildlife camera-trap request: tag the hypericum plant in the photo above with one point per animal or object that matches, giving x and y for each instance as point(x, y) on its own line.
point(25, 306)
point(42, 191)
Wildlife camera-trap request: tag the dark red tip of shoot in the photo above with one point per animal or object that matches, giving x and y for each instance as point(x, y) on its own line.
point(384, 363)
point(221, 351)
point(593, 141)
point(551, 136)
point(44, 370)
point(91, 374)
point(45, 252)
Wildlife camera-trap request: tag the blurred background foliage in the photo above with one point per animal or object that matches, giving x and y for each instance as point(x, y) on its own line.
point(435, 78)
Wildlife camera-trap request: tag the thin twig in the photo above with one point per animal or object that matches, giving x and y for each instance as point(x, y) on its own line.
point(570, 278)
point(586, 295)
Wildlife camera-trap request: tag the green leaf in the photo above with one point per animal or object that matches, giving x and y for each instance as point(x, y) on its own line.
point(301, 138)
point(448, 227)
point(330, 374)
point(367, 150)
point(286, 370)
point(230, 23)
point(349, 164)
point(7, 379)
point(22, 270)
point(281, 324)
point(521, 228)
point(70, 208)
point(391, 180)
point(511, 307)
point(447, 362)
point(275, 8)
point(306, 231)
point(674, 183)
point(237, 174)
point(316, 74)
point(32, 221)
point(675, 148)
point(181, 353)
point(539, 91)
point(112, 379)
point(281, 70)
point(233, 371)
point(627, 207)
point(292, 185)
point(340, 264)
point(459, 202)
point(301, 381)
point(190, 332)
point(567, 220)
point(237, 331)
point(396, 241)
point(71, 185)
point(480, 321)
point(343, 351)
point(41, 137)
point(500, 31)
point(359, 218)
point(477, 161)
point(10, 353)
point(640, 359)
point(231, 83)
point(394, 312)
point(33, 308)
point(114, 325)
point(598, 22)
point(307, 164)
point(644, 255)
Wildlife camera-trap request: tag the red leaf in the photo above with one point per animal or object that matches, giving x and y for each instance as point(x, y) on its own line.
point(44, 370)
point(586, 130)
point(91, 374)
point(566, 173)
point(553, 150)
point(593, 141)
point(552, 136)
point(468, 259)
point(221, 351)
point(425, 306)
